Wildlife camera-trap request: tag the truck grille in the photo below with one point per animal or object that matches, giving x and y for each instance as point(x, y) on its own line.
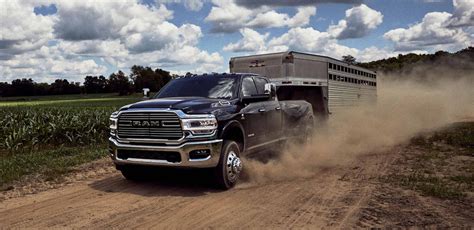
point(149, 125)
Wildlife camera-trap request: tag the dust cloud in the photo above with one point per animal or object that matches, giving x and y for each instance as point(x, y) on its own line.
point(404, 108)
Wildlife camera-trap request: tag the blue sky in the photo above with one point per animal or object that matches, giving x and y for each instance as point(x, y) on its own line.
point(49, 39)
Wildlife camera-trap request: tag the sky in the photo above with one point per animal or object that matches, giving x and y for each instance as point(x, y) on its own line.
point(69, 39)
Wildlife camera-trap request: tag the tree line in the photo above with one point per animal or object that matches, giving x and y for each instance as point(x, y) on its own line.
point(460, 60)
point(140, 77)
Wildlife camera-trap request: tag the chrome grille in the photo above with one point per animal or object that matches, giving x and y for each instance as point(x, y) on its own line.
point(149, 125)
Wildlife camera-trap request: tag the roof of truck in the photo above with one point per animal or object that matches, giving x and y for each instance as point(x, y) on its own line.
point(219, 74)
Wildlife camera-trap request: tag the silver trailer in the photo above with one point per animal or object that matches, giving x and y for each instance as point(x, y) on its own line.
point(328, 84)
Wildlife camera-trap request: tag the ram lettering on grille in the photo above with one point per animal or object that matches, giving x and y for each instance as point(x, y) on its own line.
point(149, 125)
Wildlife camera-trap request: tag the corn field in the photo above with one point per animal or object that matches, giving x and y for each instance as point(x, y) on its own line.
point(26, 127)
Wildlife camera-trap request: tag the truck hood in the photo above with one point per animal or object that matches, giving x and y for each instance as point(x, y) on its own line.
point(186, 104)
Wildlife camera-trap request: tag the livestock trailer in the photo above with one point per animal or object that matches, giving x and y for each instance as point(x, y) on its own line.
point(327, 83)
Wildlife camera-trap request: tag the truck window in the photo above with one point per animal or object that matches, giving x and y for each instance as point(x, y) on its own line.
point(260, 83)
point(248, 87)
point(221, 87)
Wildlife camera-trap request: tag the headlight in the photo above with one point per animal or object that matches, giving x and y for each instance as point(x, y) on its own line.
point(113, 121)
point(199, 125)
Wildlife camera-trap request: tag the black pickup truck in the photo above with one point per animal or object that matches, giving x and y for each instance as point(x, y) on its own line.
point(205, 121)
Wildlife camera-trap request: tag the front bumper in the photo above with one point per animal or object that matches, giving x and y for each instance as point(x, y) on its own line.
point(184, 149)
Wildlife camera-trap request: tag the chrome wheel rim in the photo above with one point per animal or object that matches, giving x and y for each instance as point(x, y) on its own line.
point(233, 166)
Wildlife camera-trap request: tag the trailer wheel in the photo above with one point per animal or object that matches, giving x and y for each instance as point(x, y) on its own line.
point(229, 168)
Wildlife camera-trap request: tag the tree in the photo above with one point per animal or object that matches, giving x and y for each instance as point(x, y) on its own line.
point(23, 87)
point(62, 86)
point(145, 77)
point(94, 84)
point(349, 59)
point(120, 83)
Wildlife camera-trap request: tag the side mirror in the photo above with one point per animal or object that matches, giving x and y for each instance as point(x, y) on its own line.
point(255, 98)
point(270, 89)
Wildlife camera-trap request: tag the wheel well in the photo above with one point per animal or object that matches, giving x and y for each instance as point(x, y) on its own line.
point(235, 134)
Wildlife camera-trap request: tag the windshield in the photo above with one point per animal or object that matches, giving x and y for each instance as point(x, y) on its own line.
point(220, 87)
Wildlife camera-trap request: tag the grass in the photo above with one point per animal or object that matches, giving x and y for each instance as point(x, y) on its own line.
point(48, 163)
point(49, 135)
point(428, 185)
point(440, 164)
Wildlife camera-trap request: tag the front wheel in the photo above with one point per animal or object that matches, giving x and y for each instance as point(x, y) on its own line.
point(229, 168)
point(132, 173)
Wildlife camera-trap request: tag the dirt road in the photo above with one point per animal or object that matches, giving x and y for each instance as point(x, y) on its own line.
point(333, 198)
point(347, 196)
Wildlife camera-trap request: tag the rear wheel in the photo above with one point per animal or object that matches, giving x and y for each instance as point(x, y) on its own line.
point(229, 168)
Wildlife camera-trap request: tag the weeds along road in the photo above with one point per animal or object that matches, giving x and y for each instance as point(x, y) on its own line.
point(333, 198)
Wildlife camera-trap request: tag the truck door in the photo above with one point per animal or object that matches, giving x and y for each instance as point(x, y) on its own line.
point(253, 115)
point(273, 119)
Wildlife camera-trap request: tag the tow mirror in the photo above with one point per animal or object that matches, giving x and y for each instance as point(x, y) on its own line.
point(270, 89)
point(255, 98)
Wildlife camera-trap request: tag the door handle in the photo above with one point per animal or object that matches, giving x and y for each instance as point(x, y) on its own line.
point(278, 108)
point(261, 110)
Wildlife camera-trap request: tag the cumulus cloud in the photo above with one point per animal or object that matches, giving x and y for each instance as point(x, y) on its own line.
point(297, 39)
point(84, 37)
point(251, 41)
point(310, 40)
point(193, 5)
point(228, 17)
point(258, 3)
point(88, 19)
point(48, 63)
point(307, 40)
point(359, 22)
point(22, 30)
point(273, 19)
point(463, 13)
point(431, 31)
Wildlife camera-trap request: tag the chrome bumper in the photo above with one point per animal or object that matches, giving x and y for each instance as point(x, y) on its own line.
point(213, 145)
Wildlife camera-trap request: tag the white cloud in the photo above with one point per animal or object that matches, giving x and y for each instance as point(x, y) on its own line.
point(21, 29)
point(84, 36)
point(433, 30)
point(463, 13)
point(297, 39)
point(307, 40)
point(274, 19)
point(193, 5)
point(251, 41)
point(311, 40)
point(47, 64)
point(258, 3)
point(227, 17)
point(89, 20)
point(359, 22)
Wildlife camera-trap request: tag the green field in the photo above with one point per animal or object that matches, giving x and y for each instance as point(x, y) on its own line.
point(49, 135)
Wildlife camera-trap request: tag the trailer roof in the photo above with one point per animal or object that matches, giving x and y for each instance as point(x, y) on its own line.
point(306, 54)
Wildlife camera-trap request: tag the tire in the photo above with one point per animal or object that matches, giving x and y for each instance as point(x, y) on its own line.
point(228, 170)
point(133, 173)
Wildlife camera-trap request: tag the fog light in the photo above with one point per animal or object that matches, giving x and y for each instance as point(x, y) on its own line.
point(199, 154)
